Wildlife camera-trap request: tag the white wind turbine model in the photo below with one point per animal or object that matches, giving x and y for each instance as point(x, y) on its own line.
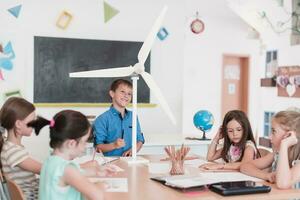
point(134, 72)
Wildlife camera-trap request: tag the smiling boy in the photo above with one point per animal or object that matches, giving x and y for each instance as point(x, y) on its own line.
point(113, 128)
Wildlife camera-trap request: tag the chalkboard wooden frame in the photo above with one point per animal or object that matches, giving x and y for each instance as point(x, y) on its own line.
point(55, 58)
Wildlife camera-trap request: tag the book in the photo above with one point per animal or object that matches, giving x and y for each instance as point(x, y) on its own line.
point(202, 179)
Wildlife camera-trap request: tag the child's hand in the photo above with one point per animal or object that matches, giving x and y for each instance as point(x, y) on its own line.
point(106, 170)
point(127, 153)
point(89, 164)
point(219, 135)
point(271, 177)
point(290, 140)
point(102, 186)
point(119, 143)
point(212, 166)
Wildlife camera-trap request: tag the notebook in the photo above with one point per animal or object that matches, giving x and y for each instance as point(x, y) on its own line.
point(239, 188)
point(182, 181)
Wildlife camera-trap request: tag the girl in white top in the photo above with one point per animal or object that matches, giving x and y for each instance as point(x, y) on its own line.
point(282, 125)
point(287, 175)
point(16, 163)
point(238, 143)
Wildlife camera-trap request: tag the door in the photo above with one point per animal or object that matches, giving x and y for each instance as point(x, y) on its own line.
point(235, 76)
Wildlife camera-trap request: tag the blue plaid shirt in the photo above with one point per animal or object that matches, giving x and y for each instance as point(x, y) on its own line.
point(110, 126)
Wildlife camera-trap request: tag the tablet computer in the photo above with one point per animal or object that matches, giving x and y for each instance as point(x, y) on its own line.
point(239, 188)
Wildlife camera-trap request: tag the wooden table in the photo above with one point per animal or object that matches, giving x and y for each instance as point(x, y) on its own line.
point(141, 187)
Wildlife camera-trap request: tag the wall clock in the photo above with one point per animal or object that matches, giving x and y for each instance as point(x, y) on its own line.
point(197, 26)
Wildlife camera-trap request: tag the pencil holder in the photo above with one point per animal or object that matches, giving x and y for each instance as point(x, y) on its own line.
point(177, 167)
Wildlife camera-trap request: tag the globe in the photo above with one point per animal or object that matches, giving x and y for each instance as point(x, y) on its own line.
point(203, 120)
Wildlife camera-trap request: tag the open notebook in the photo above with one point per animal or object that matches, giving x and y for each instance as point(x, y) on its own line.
point(202, 179)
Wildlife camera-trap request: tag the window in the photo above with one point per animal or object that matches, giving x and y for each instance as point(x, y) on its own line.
point(267, 123)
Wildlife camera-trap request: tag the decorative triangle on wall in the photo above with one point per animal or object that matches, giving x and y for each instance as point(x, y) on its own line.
point(15, 11)
point(1, 75)
point(109, 12)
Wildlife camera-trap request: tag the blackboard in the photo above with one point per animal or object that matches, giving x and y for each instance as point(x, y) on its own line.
point(55, 58)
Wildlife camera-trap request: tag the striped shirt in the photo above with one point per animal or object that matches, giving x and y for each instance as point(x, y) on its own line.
point(11, 156)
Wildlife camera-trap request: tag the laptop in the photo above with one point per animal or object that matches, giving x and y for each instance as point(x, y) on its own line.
point(239, 188)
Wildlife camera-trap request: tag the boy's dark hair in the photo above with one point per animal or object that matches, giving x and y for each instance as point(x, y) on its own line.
point(15, 108)
point(118, 82)
point(67, 124)
point(242, 119)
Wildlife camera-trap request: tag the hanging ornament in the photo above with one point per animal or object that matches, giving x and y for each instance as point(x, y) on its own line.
point(197, 26)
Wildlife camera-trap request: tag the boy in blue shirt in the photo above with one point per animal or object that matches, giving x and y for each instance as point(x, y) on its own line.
point(113, 128)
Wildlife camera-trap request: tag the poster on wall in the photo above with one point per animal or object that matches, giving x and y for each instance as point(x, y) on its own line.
point(288, 81)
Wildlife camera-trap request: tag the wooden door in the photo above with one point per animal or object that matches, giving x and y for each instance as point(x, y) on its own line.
point(235, 83)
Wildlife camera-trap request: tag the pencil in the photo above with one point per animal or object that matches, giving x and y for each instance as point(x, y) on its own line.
point(103, 157)
point(94, 154)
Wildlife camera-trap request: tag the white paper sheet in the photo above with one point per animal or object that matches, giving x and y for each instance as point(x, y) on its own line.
point(195, 162)
point(100, 159)
point(207, 178)
point(159, 167)
point(113, 184)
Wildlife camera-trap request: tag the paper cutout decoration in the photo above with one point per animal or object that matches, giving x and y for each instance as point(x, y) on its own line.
point(6, 55)
point(109, 12)
point(288, 81)
point(15, 93)
point(1, 75)
point(15, 11)
point(64, 20)
point(162, 33)
point(291, 89)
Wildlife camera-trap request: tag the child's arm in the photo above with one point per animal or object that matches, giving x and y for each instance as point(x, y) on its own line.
point(92, 168)
point(31, 165)
point(75, 179)
point(286, 177)
point(255, 167)
point(119, 143)
point(248, 156)
point(129, 151)
point(213, 153)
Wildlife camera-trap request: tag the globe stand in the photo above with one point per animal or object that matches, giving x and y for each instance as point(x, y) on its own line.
point(203, 136)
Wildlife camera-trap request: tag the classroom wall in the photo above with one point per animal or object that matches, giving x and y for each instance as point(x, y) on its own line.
point(276, 38)
point(225, 33)
point(132, 24)
point(186, 66)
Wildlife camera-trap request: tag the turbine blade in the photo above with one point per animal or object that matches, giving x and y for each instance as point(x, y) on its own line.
point(112, 72)
point(156, 91)
point(145, 49)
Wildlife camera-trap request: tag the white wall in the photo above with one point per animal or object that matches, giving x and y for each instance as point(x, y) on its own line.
point(186, 66)
point(132, 24)
point(271, 40)
point(225, 33)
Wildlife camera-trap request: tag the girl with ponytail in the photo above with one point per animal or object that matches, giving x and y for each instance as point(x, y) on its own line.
point(16, 164)
point(61, 178)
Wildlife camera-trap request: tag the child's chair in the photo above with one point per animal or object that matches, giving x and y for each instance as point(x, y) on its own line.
point(15, 191)
point(263, 151)
point(4, 194)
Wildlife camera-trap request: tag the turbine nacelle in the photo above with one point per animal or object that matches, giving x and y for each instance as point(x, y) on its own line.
point(139, 68)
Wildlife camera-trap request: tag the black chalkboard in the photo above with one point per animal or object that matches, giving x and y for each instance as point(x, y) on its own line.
point(55, 58)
